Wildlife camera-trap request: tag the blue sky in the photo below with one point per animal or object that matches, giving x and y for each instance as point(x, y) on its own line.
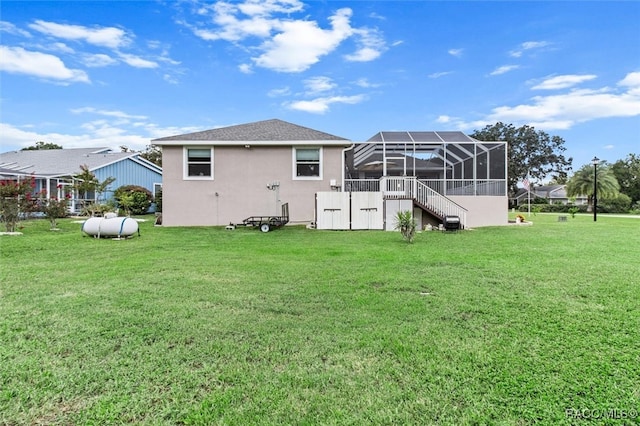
point(90, 74)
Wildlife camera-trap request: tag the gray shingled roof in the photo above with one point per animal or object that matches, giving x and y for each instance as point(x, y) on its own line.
point(260, 131)
point(59, 162)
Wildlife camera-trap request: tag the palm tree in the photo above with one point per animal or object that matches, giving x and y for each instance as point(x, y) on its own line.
point(581, 183)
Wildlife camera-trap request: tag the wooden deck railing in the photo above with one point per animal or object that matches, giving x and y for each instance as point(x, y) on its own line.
point(403, 187)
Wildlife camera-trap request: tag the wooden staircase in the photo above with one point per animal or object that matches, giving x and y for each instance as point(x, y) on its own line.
point(424, 197)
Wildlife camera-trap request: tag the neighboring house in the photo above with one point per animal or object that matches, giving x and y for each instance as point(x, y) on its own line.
point(222, 176)
point(554, 194)
point(54, 170)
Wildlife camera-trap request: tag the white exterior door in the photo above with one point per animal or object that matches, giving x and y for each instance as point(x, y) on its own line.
point(367, 210)
point(392, 207)
point(332, 210)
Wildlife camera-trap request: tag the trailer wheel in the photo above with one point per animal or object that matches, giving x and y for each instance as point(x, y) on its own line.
point(265, 227)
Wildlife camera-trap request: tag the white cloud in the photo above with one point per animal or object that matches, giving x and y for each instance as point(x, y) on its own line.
point(284, 44)
point(245, 68)
point(371, 46)
point(98, 60)
point(609, 146)
point(110, 37)
point(267, 7)
point(62, 48)
point(632, 81)
point(563, 81)
point(204, 34)
point(99, 137)
point(164, 52)
point(300, 44)
point(528, 45)
point(276, 93)
point(365, 54)
point(315, 85)
point(107, 113)
point(136, 61)
point(444, 119)
point(9, 28)
point(565, 110)
point(321, 105)
point(236, 30)
point(255, 19)
point(320, 93)
point(439, 74)
point(455, 52)
point(365, 83)
point(98, 133)
point(171, 79)
point(20, 61)
point(17, 138)
point(504, 69)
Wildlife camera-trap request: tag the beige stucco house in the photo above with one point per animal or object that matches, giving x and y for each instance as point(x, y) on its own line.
point(224, 175)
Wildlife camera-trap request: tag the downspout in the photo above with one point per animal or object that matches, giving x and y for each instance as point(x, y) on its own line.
point(344, 154)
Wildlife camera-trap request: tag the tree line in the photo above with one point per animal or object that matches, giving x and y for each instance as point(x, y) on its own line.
point(538, 156)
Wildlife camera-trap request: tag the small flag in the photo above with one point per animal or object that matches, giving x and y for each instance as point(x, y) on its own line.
point(525, 183)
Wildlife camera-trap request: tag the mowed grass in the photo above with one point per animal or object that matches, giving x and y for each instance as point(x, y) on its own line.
point(513, 325)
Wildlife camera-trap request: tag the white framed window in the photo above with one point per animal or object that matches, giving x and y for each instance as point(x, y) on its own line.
point(198, 163)
point(307, 163)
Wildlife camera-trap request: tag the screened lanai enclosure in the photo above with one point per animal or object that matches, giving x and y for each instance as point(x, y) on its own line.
point(437, 175)
point(450, 163)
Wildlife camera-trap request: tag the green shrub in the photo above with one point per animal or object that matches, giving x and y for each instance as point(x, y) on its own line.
point(406, 224)
point(554, 208)
point(97, 209)
point(54, 209)
point(16, 200)
point(133, 199)
point(621, 203)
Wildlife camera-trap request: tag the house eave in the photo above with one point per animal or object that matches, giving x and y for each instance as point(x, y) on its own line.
point(135, 157)
point(343, 143)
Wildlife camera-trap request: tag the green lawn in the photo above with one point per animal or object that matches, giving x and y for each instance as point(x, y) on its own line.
point(515, 325)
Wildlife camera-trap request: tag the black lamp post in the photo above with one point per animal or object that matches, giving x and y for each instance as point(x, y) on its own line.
point(595, 162)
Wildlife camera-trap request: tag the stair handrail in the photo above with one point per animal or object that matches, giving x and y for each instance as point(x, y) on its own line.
point(439, 203)
point(411, 187)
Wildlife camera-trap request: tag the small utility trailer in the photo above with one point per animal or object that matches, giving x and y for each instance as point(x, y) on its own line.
point(266, 223)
